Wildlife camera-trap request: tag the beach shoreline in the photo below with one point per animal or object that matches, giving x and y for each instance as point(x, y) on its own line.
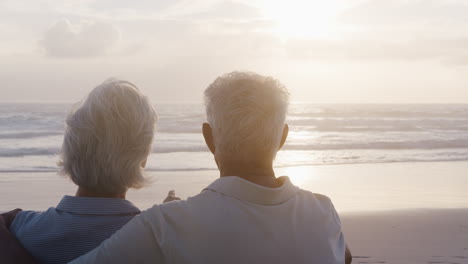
point(353, 188)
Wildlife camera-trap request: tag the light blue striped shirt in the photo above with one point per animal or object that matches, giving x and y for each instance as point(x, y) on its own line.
point(74, 227)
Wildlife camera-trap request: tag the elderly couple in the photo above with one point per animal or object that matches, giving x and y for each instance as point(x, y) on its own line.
point(247, 215)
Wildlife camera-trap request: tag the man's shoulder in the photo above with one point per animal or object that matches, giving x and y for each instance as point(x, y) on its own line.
point(316, 196)
point(321, 203)
point(316, 200)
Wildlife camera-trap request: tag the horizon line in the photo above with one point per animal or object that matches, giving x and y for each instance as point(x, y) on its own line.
point(292, 102)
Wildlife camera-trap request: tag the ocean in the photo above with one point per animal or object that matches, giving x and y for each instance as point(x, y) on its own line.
point(31, 135)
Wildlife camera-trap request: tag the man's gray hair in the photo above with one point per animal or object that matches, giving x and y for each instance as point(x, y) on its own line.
point(247, 113)
point(107, 138)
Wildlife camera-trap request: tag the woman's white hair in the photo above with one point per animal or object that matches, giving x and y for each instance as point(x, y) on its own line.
point(246, 112)
point(107, 138)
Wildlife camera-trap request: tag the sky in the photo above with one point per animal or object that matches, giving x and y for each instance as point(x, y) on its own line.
point(334, 51)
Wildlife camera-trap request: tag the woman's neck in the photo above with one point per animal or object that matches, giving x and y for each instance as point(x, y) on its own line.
point(83, 192)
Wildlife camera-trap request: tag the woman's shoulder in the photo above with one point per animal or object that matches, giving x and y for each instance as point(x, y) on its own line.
point(28, 217)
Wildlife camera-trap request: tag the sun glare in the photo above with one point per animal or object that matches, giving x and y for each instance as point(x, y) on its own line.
point(302, 18)
point(302, 176)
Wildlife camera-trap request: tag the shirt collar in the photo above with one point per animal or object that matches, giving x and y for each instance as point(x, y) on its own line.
point(97, 206)
point(244, 190)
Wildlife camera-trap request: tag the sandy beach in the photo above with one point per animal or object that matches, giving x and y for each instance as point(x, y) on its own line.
point(391, 213)
point(411, 236)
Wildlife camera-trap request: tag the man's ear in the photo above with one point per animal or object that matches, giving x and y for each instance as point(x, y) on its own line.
point(208, 135)
point(284, 136)
point(143, 164)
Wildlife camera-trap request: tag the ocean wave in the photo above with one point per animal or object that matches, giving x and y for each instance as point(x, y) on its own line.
point(365, 124)
point(55, 151)
point(379, 111)
point(340, 162)
point(26, 135)
point(27, 170)
point(29, 152)
point(172, 149)
point(399, 145)
point(381, 145)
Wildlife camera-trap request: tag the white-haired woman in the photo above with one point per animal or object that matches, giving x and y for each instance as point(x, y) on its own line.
point(106, 144)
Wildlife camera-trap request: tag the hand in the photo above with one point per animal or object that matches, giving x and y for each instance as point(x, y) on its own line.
point(11, 250)
point(348, 256)
point(171, 197)
point(8, 217)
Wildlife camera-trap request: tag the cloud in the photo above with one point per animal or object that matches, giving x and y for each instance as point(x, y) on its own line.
point(400, 30)
point(86, 39)
point(408, 12)
point(141, 5)
point(228, 10)
point(447, 51)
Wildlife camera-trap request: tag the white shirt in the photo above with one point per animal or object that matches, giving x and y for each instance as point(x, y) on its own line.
point(231, 221)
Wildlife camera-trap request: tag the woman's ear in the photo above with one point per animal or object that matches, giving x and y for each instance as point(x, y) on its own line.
point(284, 136)
point(208, 135)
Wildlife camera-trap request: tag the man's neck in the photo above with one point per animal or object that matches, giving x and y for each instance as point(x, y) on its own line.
point(83, 192)
point(258, 173)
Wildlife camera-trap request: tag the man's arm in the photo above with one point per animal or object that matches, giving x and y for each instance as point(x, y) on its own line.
point(136, 242)
point(11, 250)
